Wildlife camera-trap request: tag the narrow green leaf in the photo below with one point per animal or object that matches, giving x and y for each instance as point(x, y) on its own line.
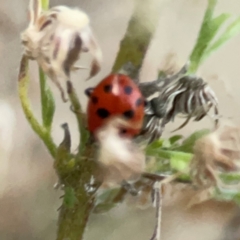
point(47, 102)
point(174, 139)
point(220, 19)
point(231, 31)
point(185, 177)
point(188, 143)
point(230, 178)
point(157, 144)
point(161, 165)
point(209, 29)
point(169, 154)
point(166, 144)
point(227, 195)
point(154, 145)
point(213, 27)
point(168, 161)
point(211, 5)
point(180, 161)
point(204, 37)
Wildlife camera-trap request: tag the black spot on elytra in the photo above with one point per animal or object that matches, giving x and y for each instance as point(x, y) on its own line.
point(103, 113)
point(89, 91)
point(107, 88)
point(128, 90)
point(128, 114)
point(139, 102)
point(123, 131)
point(94, 100)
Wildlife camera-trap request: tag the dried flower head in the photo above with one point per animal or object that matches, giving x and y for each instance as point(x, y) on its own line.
point(55, 39)
point(119, 157)
point(216, 153)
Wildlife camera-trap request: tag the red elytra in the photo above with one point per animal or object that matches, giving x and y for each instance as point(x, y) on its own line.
point(115, 95)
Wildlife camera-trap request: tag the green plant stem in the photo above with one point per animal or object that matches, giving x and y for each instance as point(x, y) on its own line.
point(81, 118)
point(23, 84)
point(73, 217)
point(72, 221)
point(138, 36)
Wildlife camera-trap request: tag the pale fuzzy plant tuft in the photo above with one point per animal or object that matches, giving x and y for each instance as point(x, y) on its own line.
point(119, 157)
point(216, 153)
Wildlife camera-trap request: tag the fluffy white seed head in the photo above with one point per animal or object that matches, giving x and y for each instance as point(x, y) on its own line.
point(119, 156)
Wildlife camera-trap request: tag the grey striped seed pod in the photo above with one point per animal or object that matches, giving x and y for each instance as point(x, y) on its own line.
point(56, 37)
point(190, 96)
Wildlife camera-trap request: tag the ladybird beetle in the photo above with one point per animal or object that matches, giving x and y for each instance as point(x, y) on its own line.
point(115, 95)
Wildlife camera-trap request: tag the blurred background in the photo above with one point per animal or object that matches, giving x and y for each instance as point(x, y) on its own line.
point(28, 202)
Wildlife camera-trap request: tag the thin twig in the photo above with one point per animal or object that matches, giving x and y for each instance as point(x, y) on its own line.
point(158, 205)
